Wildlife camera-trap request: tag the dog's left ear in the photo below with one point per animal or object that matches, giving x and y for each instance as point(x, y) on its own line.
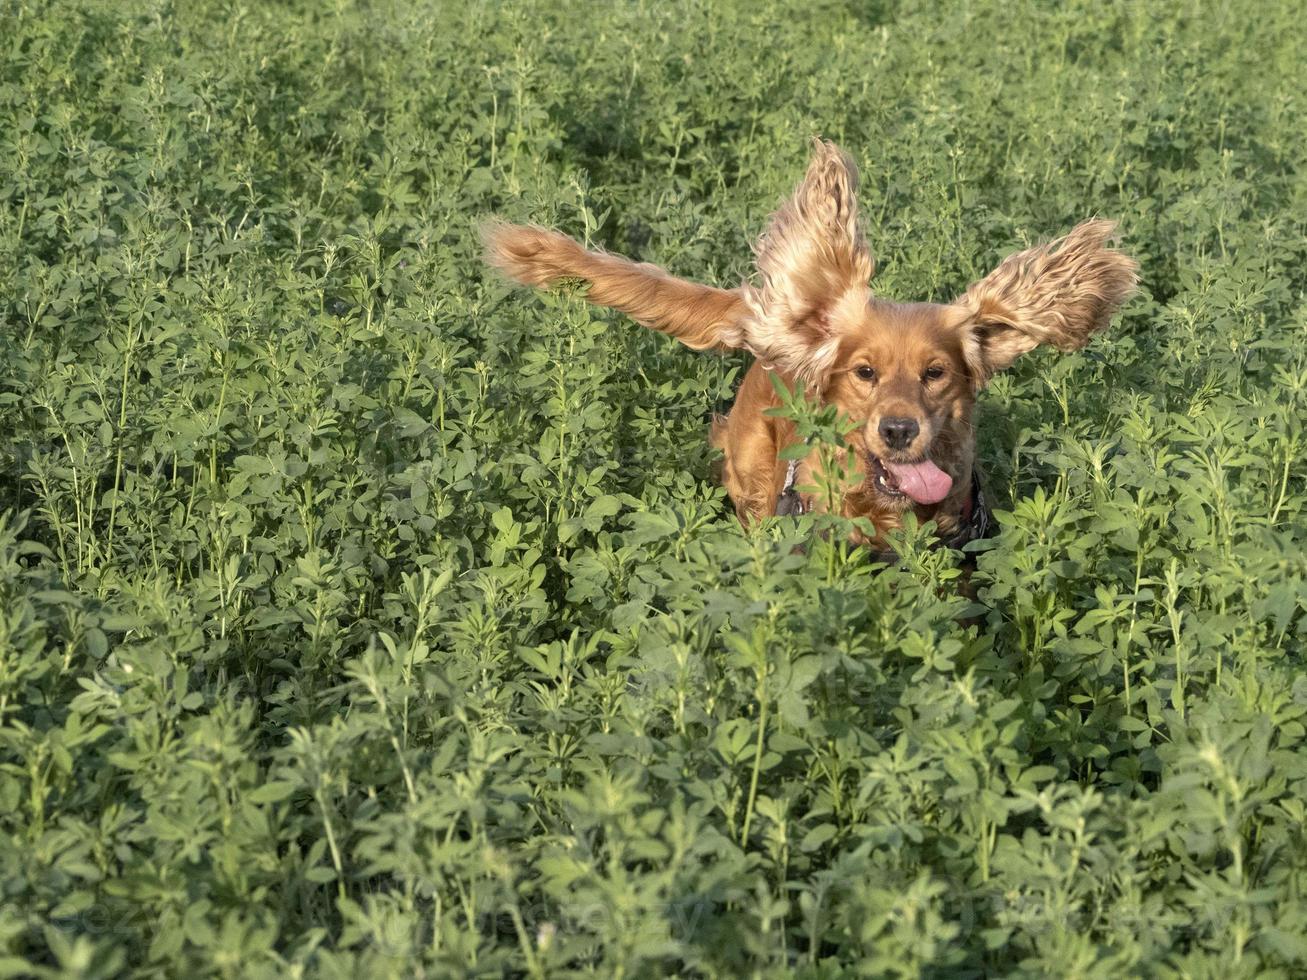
point(813, 260)
point(1061, 294)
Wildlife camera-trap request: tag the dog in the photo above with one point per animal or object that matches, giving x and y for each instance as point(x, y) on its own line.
point(907, 374)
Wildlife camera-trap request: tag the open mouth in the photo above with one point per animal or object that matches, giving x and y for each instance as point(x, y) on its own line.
point(922, 482)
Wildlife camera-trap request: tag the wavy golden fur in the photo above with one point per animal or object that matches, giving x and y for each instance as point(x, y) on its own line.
point(907, 372)
point(698, 316)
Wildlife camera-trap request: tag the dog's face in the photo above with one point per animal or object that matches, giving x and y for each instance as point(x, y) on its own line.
point(901, 375)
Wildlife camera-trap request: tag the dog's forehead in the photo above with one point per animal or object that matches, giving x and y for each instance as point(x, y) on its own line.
point(917, 317)
point(909, 330)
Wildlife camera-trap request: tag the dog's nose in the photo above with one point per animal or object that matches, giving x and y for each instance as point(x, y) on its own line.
point(898, 433)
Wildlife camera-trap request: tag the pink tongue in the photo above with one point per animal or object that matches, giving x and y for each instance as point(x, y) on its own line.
point(924, 482)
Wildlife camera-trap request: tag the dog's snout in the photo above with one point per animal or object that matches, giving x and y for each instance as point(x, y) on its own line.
point(898, 432)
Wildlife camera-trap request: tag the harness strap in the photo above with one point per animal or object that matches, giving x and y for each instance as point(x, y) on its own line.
point(977, 519)
point(790, 504)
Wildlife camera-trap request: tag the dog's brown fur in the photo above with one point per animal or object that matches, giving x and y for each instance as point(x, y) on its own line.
point(812, 318)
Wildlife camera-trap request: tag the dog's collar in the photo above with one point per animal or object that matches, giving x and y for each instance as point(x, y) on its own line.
point(977, 519)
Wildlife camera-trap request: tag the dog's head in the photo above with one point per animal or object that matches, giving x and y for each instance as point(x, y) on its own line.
point(908, 374)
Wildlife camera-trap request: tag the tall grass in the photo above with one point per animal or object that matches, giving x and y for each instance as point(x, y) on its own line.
point(362, 617)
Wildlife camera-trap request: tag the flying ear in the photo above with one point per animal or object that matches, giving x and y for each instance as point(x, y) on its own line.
point(812, 259)
point(700, 317)
point(1061, 294)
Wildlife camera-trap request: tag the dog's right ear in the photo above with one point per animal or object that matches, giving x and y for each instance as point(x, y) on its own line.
point(698, 316)
point(813, 260)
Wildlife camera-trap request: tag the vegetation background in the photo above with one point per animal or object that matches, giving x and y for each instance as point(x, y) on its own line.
point(360, 616)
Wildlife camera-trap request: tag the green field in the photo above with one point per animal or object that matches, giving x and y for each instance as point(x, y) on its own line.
point(361, 616)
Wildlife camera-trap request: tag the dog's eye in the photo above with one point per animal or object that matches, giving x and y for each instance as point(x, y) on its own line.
point(933, 373)
point(866, 373)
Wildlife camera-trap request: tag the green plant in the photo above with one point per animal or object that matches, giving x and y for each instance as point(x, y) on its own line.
point(359, 617)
